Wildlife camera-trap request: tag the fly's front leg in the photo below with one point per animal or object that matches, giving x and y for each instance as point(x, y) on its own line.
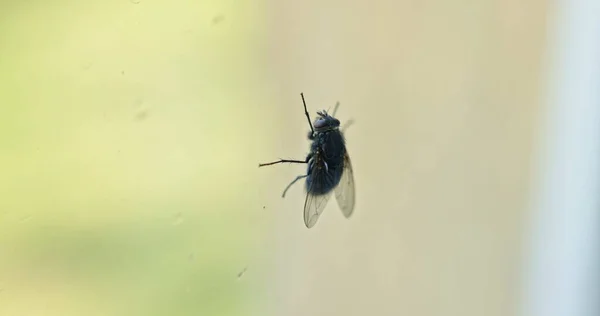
point(346, 125)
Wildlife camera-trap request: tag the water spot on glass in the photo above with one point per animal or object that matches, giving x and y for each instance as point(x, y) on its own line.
point(142, 112)
point(141, 115)
point(241, 273)
point(178, 219)
point(192, 257)
point(218, 19)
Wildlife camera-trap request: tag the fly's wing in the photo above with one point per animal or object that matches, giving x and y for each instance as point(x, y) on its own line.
point(313, 207)
point(314, 204)
point(344, 191)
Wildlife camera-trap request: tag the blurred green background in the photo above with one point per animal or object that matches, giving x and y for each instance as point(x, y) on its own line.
point(131, 130)
point(127, 158)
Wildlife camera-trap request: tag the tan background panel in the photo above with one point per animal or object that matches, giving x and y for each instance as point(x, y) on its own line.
point(444, 95)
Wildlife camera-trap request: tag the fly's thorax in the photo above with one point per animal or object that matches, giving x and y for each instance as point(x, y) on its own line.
point(323, 174)
point(330, 144)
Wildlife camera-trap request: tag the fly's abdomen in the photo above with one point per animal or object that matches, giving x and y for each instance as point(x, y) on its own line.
point(323, 174)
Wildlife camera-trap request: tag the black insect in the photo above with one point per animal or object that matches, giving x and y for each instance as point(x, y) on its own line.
point(329, 168)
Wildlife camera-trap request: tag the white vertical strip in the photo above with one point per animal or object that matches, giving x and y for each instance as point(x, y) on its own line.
point(561, 271)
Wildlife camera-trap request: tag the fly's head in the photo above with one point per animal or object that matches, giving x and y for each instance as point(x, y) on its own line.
point(325, 122)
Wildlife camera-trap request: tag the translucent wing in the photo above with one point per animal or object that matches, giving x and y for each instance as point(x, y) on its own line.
point(313, 208)
point(344, 191)
point(315, 203)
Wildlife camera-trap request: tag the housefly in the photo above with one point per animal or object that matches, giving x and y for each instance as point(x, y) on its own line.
point(329, 168)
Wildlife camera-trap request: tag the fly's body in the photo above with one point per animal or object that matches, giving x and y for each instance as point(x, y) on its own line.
point(328, 168)
point(325, 161)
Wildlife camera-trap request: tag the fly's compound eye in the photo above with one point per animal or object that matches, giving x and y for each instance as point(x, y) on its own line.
point(320, 123)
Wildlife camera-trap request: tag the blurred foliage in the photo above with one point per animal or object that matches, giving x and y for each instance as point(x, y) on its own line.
point(120, 146)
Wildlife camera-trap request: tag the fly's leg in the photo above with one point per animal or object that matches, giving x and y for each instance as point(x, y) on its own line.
point(310, 162)
point(306, 113)
point(280, 161)
point(346, 125)
point(295, 180)
point(335, 108)
point(285, 160)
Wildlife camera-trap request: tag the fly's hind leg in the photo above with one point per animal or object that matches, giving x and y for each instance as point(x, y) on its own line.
point(295, 180)
point(335, 108)
point(309, 161)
